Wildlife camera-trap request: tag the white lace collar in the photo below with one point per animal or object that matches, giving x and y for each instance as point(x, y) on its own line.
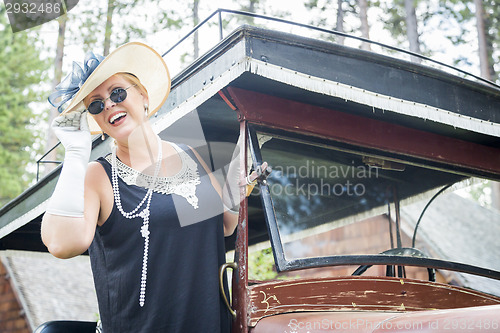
point(183, 183)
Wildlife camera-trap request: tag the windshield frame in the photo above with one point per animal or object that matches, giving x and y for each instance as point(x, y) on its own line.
point(283, 264)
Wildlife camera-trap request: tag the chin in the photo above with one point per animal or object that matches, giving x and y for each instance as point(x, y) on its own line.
point(125, 132)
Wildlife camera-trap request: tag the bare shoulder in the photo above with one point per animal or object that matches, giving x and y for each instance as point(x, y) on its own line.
point(96, 169)
point(95, 174)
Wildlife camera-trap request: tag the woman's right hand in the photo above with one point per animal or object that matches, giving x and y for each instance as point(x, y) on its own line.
point(72, 130)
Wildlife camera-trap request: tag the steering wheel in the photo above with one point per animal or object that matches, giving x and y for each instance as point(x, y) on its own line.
point(402, 251)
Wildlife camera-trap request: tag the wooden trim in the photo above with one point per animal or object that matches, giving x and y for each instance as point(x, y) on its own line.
point(358, 294)
point(240, 275)
point(365, 132)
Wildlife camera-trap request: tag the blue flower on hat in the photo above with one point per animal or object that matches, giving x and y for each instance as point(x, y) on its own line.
point(74, 81)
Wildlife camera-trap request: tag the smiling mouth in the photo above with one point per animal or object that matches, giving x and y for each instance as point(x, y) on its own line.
point(117, 117)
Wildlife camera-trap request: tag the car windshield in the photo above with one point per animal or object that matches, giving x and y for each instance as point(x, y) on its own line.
point(328, 200)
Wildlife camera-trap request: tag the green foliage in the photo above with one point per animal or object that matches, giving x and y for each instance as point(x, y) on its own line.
point(131, 20)
point(251, 6)
point(480, 192)
point(261, 265)
point(325, 16)
point(395, 21)
point(492, 16)
point(21, 72)
point(463, 13)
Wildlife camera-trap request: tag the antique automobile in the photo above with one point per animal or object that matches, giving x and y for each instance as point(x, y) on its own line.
point(361, 215)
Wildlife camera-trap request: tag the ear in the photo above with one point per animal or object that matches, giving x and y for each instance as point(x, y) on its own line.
point(145, 99)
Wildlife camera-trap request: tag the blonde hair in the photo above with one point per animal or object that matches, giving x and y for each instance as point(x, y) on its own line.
point(131, 78)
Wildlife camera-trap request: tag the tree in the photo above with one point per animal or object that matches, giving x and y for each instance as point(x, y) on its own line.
point(101, 26)
point(344, 11)
point(365, 27)
point(21, 72)
point(109, 25)
point(340, 20)
point(196, 20)
point(412, 28)
point(251, 6)
point(403, 23)
point(487, 71)
point(487, 15)
point(481, 38)
point(51, 139)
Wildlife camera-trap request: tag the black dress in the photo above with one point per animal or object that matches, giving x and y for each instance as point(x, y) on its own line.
point(185, 253)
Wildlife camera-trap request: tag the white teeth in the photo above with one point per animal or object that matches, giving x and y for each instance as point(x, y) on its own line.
point(116, 116)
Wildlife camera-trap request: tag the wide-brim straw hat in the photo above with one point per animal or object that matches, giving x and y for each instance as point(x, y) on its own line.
point(137, 59)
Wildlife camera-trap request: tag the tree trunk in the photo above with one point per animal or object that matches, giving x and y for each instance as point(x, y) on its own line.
point(109, 26)
point(196, 20)
point(485, 67)
point(340, 21)
point(412, 29)
point(365, 28)
point(485, 44)
point(51, 138)
point(481, 38)
point(251, 6)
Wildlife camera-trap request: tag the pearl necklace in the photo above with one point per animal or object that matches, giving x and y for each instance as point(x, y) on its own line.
point(144, 214)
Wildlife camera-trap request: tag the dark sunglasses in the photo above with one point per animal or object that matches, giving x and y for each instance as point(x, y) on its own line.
point(118, 95)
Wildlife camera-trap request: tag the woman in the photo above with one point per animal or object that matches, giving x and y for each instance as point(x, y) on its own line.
point(150, 213)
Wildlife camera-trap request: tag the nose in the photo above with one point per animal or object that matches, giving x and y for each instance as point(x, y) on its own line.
point(108, 103)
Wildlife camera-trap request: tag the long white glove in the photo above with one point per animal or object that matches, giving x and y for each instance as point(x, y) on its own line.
point(72, 130)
